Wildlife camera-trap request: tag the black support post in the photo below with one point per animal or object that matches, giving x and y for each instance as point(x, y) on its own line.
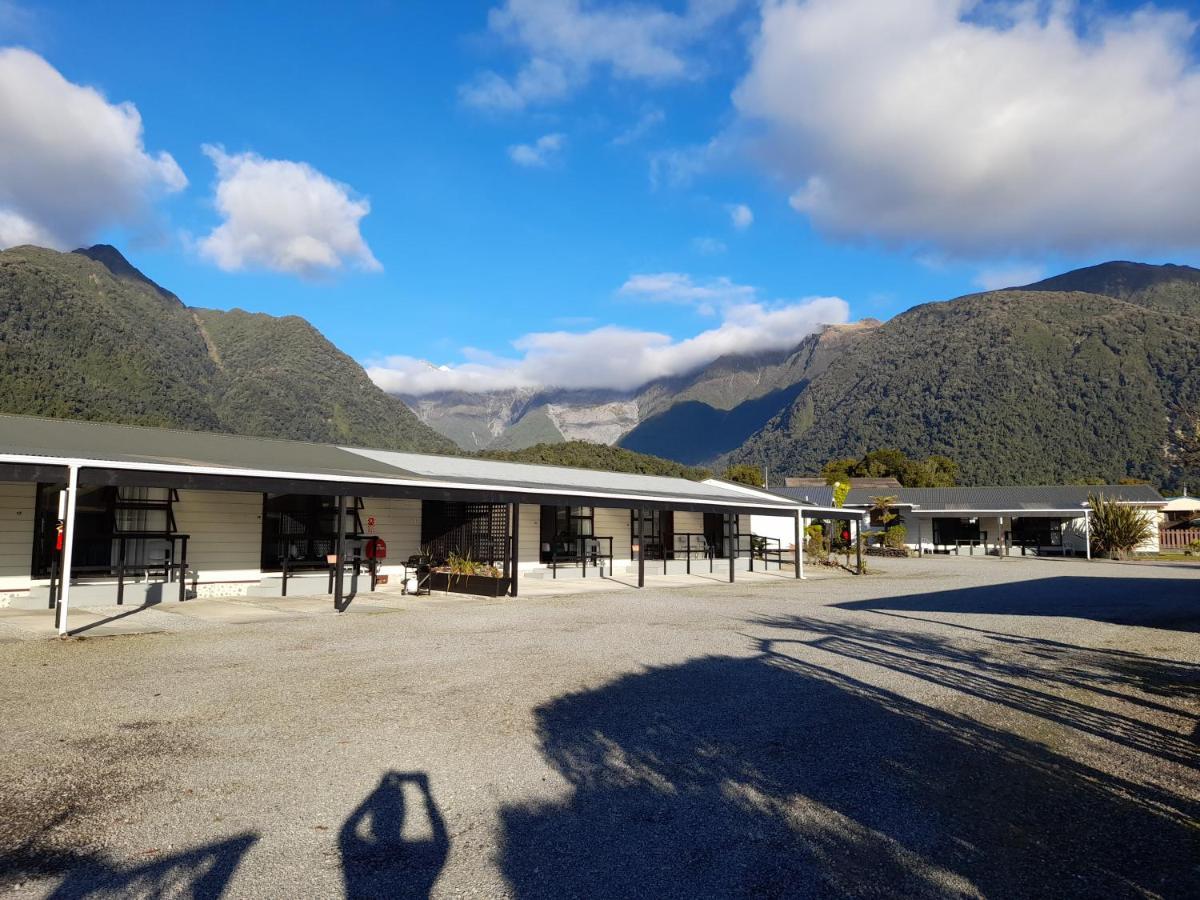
point(182, 569)
point(858, 543)
point(340, 553)
point(516, 545)
point(733, 542)
point(641, 548)
point(121, 571)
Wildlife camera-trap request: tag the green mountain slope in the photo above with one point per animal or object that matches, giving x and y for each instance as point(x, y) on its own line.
point(1031, 385)
point(86, 335)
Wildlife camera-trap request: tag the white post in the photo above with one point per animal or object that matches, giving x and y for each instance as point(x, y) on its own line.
point(64, 596)
point(800, 548)
point(1087, 531)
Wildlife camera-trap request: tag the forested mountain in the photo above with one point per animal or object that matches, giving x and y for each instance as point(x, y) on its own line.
point(1054, 382)
point(85, 335)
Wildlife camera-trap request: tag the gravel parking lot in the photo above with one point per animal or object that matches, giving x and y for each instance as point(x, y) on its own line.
point(945, 727)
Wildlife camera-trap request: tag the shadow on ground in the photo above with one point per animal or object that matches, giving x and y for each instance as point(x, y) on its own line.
point(378, 858)
point(1170, 603)
point(393, 844)
point(773, 777)
point(202, 872)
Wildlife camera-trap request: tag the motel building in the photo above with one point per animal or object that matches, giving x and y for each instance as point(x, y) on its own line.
point(1048, 520)
point(141, 515)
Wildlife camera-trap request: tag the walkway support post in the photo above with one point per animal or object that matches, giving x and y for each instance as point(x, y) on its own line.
point(858, 542)
point(1087, 531)
point(339, 552)
point(733, 543)
point(515, 517)
point(641, 536)
point(799, 562)
point(64, 595)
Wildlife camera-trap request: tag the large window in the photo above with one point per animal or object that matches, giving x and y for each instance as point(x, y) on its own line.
point(657, 530)
point(302, 528)
point(1036, 531)
point(948, 532)
point(722, 533)
point(562, 526)
point(477, 530)
point(102, 514)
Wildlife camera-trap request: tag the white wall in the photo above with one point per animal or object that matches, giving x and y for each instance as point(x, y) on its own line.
point(398, 522)
point(16, 534)
point(615, 523)
point(529, 551)
point(224, 531)
point(781, 527)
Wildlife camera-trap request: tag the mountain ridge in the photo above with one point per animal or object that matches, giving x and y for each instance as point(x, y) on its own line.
point(86, 335)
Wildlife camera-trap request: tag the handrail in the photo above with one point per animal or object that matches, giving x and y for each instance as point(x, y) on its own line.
point(581, 552)
point(175, 563)
point(765, 549)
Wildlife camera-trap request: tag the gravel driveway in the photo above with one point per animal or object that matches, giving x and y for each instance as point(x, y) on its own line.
point(946, 727)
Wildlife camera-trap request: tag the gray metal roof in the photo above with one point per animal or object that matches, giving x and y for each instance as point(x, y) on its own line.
point(983, 499)
point(61, 440)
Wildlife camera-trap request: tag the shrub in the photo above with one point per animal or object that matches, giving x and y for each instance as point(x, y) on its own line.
point(1117, 529)
point(895, 537)
point(464, 565)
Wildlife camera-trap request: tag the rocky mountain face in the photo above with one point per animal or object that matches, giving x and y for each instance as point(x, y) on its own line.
point(86, 335)
point(692, 418)
point(1080, 377)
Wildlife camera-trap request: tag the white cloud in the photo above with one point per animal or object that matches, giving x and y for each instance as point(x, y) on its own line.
point(540, 153)
point(621, 358)
point(1017, 275)
point(71, 163)
point(980, 128)
point(284, 216)
point(741, 216)
point(646, 123)
point(562, 41)
point(677, 287)
point(709, 246)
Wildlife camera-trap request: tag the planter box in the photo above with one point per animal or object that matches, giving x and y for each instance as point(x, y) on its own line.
point(478, 585)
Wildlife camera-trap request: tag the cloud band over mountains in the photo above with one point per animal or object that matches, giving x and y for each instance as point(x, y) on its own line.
point(623, 358)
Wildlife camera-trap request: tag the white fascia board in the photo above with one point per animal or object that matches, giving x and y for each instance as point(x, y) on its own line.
point(87, 463)
point(959, 513)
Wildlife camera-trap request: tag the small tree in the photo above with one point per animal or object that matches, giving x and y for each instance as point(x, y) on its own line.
point(1117, 529)
point(881, 511)
point(841, 490)
point(745, 474)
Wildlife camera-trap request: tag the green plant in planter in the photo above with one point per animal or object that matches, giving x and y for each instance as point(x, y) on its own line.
point(461, 565)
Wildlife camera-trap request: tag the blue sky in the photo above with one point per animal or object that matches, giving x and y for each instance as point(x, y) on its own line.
point(652, 183)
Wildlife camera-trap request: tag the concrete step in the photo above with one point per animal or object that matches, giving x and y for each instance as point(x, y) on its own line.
point(103, 594)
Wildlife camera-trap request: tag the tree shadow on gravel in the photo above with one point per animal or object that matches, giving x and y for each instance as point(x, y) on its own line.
point(202, 873)
point(771, 777)
point(1168, 603)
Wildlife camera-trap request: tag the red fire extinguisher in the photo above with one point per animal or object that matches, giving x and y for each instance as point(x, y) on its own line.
point(59, 528)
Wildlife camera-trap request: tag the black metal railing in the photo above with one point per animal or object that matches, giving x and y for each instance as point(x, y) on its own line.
point(579, 551)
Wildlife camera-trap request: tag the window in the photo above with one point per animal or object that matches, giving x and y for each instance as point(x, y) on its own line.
point(302, 528)
point(562, 525)
point(658, 534)
point(102, 513)
point(720, 532)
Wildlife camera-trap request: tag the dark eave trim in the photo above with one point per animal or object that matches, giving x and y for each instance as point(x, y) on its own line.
point(254, 484)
